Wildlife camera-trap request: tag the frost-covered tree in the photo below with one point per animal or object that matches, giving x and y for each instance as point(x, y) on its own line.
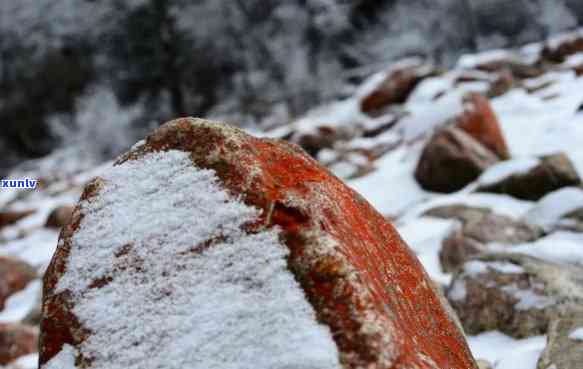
point(249, 61)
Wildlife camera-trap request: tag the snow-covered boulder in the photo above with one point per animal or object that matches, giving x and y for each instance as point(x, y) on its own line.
point(552, 172)
point(396, 86)
point(513, 293)
point(204, 247)
point(451, 160)
point(479, 228)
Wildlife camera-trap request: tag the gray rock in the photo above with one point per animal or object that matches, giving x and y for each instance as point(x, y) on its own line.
point(563, 350)
point(512, 293)
point(480, 226)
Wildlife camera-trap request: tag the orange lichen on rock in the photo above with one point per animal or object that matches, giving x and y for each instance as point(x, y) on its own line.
point(480, 122)
point(361, 278)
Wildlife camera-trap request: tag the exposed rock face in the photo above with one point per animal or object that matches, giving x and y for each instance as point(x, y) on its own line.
point(480, 122)
point(451, 160)
point(59, 217)
point(14, 276)
point(11, 217)
point(515, 294)
point(363, 285)
point(554, 172)
point(564, 348)
point(15, 341)
point(395, 88)
point(479, 227)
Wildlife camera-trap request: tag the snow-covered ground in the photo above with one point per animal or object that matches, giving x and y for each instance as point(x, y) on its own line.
point(533, 124)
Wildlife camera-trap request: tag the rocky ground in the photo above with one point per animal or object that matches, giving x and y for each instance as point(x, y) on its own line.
point(479, 167)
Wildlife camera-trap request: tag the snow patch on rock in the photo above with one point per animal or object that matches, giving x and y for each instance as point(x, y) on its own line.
point(169, 300)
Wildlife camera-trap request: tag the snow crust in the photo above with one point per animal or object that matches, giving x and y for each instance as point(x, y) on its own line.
point(507, 168)
point(549, 210)
point(577, 334)
point(168, 304)
point(505, 352)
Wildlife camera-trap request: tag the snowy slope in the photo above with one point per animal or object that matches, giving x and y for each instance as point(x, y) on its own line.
point(533, 123)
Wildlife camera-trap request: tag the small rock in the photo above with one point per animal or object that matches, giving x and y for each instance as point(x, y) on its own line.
point(322, 137)
point(564, 350)
point(480, 122)
point(558, 53)
point(503, 83)
point(14, 276)
point(518, 69)
point(552, 173)
point(515, 294)
point(395, 88)
point(451, 160)
point(479, 227)
point(10, 217)
point(484, 364)
point(59, 217)
point(16, 340)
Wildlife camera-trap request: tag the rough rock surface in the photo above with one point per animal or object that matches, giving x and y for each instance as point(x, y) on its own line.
point(480, 226)
point(14, 276)
point(480, 122)
point(554, 172)
point(16, 340)
point(59, 217)
point(512, 293)
point(363, 283)
point(395, 88)
point(564, 348)
point(451, 160)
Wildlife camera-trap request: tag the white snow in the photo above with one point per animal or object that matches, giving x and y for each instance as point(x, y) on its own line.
point(549, 210)
point(424, 235)
point(473, 60)
point(391, 188)
point(29, 361)
point(553, 249)
point(20, 304)
point(576, 334)
point(507, 168)
point(528, 299)
point(65, 359)
point(505, 352)
point(233, 305)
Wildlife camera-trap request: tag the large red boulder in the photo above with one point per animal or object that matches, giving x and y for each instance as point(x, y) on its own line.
point(206, 247)
point(16, 340)
point(479, 121)
point(14, 276)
